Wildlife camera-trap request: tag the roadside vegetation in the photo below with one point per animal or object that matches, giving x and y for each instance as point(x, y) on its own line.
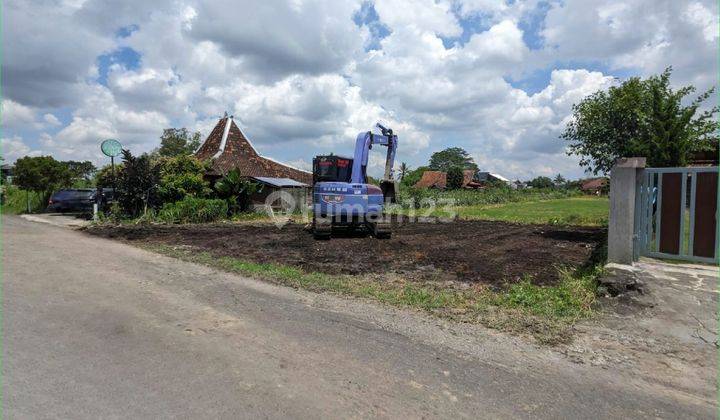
point(17, 201)
point(545, 312)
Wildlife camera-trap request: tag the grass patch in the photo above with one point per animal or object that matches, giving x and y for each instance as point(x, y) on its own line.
point(424, 197)
point(545, 312)
point(579, 211)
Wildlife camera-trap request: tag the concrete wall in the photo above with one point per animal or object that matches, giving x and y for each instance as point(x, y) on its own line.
point(624, 178)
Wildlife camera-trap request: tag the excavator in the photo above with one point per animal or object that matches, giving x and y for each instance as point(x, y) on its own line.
point(342, 196)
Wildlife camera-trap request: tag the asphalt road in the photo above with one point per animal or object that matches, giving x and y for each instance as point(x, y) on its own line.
point(98, 329)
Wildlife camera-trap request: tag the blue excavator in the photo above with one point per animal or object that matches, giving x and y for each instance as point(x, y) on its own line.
point(342, 197)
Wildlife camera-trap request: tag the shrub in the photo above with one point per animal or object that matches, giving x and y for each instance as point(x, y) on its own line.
point(466, 197)
point(194, 210)
point(411, 197)
point(237, 190)
point(181, 176)
point(15, 200)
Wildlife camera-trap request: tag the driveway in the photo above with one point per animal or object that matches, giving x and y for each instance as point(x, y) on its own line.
point(95, 328)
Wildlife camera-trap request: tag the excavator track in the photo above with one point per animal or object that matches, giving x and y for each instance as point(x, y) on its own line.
point(381, 230)
point(322, 228)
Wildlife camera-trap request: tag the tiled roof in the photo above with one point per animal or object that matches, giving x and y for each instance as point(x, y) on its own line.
point(432, 179)
point(438, 179)
point(239, 153)
point(593, 184)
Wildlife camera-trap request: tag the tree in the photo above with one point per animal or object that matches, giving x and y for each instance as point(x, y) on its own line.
point(41, 174)
point(237, 190)
point(559, 181)
point(413, 176)
point(80, 170)
point(641, 118)
point(181, 176)
point(137, 184)
point(452, 156)
point(178, 141)
point(104, 176)
point(541, 182)
point(454, 178)
point(403, 170)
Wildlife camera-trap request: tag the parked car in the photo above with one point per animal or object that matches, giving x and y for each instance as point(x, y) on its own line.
point(79, 200)
point(72, 200)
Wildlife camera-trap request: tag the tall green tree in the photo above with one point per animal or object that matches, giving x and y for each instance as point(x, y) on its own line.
point(455, 178)
point(80, 171)
point(413, 176)
point(541, 182)
point(641, 118)
point(559, 181)
point(41, 174)
point(450, 157)
point(177, 142)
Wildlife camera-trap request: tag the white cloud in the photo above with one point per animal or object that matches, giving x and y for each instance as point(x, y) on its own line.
point(423, 15)
point(15, 114)
point(51, 119)
point(643, 35)
point(13, 148)
point(297, 78)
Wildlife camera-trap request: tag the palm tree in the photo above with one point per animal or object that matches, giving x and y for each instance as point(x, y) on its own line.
point(404, 169)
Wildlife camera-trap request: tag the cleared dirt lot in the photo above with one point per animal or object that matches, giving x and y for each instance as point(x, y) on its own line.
point(487, 252)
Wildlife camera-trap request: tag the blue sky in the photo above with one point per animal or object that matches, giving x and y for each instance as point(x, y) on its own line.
point(302, 78)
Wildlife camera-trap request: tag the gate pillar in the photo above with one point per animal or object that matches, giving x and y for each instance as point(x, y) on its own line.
point(624, 178)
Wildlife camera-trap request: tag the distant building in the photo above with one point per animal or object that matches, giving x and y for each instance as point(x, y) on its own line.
point(227, 148)
point(491, 177)
point(595, 186)
point(471, 179)
point(7, 173)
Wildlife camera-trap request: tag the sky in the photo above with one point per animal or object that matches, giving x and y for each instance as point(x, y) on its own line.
point(303, 77)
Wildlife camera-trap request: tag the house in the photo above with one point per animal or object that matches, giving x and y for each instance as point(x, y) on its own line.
point(7, 173)
point(227, 148)
point(491, 177)
point(432, 179)
point(595, 186)
point(471, 179)
point(438, 179)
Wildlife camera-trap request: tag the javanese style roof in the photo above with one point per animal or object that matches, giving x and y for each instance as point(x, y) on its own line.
point(227, 148)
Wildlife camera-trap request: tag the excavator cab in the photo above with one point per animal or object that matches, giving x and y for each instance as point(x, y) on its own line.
point(342, 197)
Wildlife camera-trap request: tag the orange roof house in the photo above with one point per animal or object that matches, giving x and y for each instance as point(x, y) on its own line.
point(432, 179)
point(227, 148)
point(594, 185)
point(438, 179)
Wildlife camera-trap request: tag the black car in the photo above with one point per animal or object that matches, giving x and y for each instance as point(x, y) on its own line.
point(72, 200)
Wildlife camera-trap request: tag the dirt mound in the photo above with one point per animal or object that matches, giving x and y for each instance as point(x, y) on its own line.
point(467, 251)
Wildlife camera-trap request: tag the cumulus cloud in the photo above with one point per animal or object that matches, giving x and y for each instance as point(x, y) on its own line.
point(281, 38)
point(644, 35)
point(15, 114)
point(301, 79)
point(13, 148)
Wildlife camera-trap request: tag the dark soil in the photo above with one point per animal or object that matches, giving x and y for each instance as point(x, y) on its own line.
point(489, 252)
